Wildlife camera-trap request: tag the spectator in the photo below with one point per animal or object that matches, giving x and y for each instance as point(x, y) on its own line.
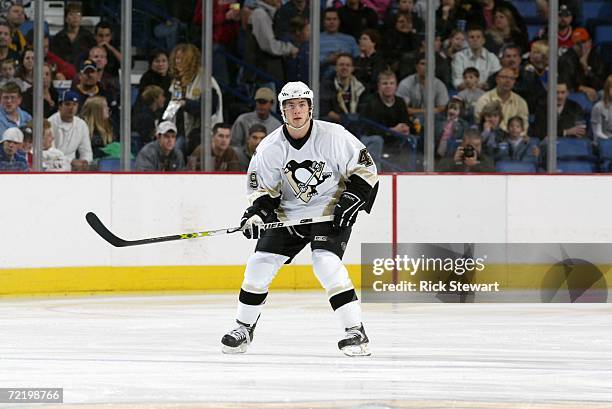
point(443, 72)
point(27, 147)
point(571, 121)
point(287, 12)
point(147, 113)
point(298, 68)
point(379, 6)
point(482, 13)
point(538, 62)
point(469, 157)
point(11, 115)
point(512, 104)
point(370, 62)
point(162, 154)
point(454, 43)
point(516, 146)
point(491, 120)
point(564, 33)
point(103, 34)
point(341, 95)
point(224, 155)
point(10, 160)
point(157, 74)
point(389, 111)
point(528, 83)
point(412, 90)
point(504, 31)
point(264, 99)
point(355, 17)
point(471, 92)
point(257, 133)
point(15, 17)
point(53, 160)
point(404, 6)
point(63, 70)
point(5, 41)
point(71, 132)
point(73, 40)
point(7, 74)
point(262, 49)
point(581, 67)
point(601, 115)
point(446, 18)
point(450, 129)
point(96, 115)
point(90, 86)
point(25, 70)
point(333, 42)
point(474, 56)
point(186, 71)
point(400, 39)
point(109, 82)
point(50, 96)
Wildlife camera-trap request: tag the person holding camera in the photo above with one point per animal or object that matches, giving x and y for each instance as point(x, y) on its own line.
point(468, 157)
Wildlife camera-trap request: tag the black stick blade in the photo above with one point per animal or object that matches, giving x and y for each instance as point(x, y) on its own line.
point(103, 232)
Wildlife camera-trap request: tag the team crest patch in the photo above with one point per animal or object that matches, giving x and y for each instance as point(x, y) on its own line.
point(364, 158)
point(253, 180)
point(304, 177)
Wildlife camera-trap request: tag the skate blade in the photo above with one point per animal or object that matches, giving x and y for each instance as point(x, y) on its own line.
point(357, 350)
point(234, 350)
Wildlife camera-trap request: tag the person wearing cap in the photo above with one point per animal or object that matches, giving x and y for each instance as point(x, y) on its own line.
point(71, 132)
point(162, 154)
point(564, 33)
point(11, 115)
point(89, 82)
point(10, 160)
point(264, 99)
point(582, 67)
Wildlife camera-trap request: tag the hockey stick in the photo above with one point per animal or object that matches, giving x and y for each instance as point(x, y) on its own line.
point(107, 235)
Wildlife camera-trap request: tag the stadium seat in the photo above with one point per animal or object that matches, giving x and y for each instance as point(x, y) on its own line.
point(605, 154)
point(515, 167)
point(112, 165)
point(577, 166)
point(603, 33)
point(527, 9)
point(570, 149)
point(593, 9)
point(605, 50)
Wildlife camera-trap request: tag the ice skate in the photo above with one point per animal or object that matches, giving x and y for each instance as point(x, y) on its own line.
point(237, 340)
point(355, 342)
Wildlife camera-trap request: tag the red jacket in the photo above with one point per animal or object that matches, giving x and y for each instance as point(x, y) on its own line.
point(224, 31)
point(62, 66)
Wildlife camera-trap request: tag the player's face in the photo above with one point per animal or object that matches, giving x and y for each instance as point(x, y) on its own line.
point(297, 112)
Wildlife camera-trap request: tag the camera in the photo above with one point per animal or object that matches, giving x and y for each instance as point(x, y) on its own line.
point(469, 151)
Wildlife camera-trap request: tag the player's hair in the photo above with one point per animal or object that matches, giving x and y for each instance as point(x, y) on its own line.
point(373, 34)
point(151, 93)
point(471, 70)
point(220, 125)
point(257, 128)
point(10, 88)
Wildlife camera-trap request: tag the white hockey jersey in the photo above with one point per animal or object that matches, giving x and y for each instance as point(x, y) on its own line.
point(310, 179)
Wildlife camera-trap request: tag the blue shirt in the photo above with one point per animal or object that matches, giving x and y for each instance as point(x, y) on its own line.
point(338, 42)
point(6, 122)
point(17, 164)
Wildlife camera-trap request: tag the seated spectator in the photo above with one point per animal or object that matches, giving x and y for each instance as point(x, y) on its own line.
point(264, 99)
point(474, 56)
point(504, 31)
point(262, 49)
point(109, 82)
point(157, 74)
point(564, 33)
point(581, 67)
point(27, 147)
point(446, 18)
point(50, 96)
point(601, 115)
point(225, 157)
point(257, 133)
point(73, 40)
point(5, 42)
point(25, 70)
point(408, 62)
point(571, 121)
point(96, 115)
point(379, 6)
point(491, 119)
point(71, 132)
point(15, 17)
point(538, 62)
point(103, 34)
point(7, 74)
point(355, 17)
point(389, 111)
point(412, 90)
point(286, 13)
point(404, 6)
point(481, 13)
point(469, 157)
point(341, 95)
point(298, 67)
point(162, 154)
point(370, 62)
point(516, 146)
point(10, 160)
point(89, 85)
point(454, 43)
point(333, 42)
point(400, 39)
point(11, 115)
point(512, 104)
point(471, 93)
point(53, 160)
point(450, 129)
point(147, 113)
point(63, 70)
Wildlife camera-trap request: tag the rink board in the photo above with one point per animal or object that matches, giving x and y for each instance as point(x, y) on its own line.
point(48, 247)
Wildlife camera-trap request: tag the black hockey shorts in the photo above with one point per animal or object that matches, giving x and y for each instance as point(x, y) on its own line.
point(290, 241)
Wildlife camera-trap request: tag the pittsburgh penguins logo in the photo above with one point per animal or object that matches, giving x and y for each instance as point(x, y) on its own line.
point(304, 178)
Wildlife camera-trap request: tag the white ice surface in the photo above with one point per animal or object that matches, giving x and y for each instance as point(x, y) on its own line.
point(166, 350)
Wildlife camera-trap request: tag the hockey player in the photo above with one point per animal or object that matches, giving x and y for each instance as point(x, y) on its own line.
point(306, 168)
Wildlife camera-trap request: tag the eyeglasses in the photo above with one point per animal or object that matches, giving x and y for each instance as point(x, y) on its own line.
point(10, 97)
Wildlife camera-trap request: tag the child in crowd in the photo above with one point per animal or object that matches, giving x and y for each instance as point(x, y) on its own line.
point(450, 129)
point(472, 91)
point(516, 146)
point(491, 131)
point(7, 74)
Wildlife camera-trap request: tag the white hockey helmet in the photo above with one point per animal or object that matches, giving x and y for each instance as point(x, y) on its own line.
point(295, 90)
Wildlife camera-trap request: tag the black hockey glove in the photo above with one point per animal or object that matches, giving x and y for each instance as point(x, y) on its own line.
point(252, 218)
point(345, 212)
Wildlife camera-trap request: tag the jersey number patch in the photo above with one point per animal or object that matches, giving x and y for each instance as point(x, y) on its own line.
point(364, 158)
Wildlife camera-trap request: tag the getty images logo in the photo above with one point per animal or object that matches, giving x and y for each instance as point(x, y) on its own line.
point(457, 265)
